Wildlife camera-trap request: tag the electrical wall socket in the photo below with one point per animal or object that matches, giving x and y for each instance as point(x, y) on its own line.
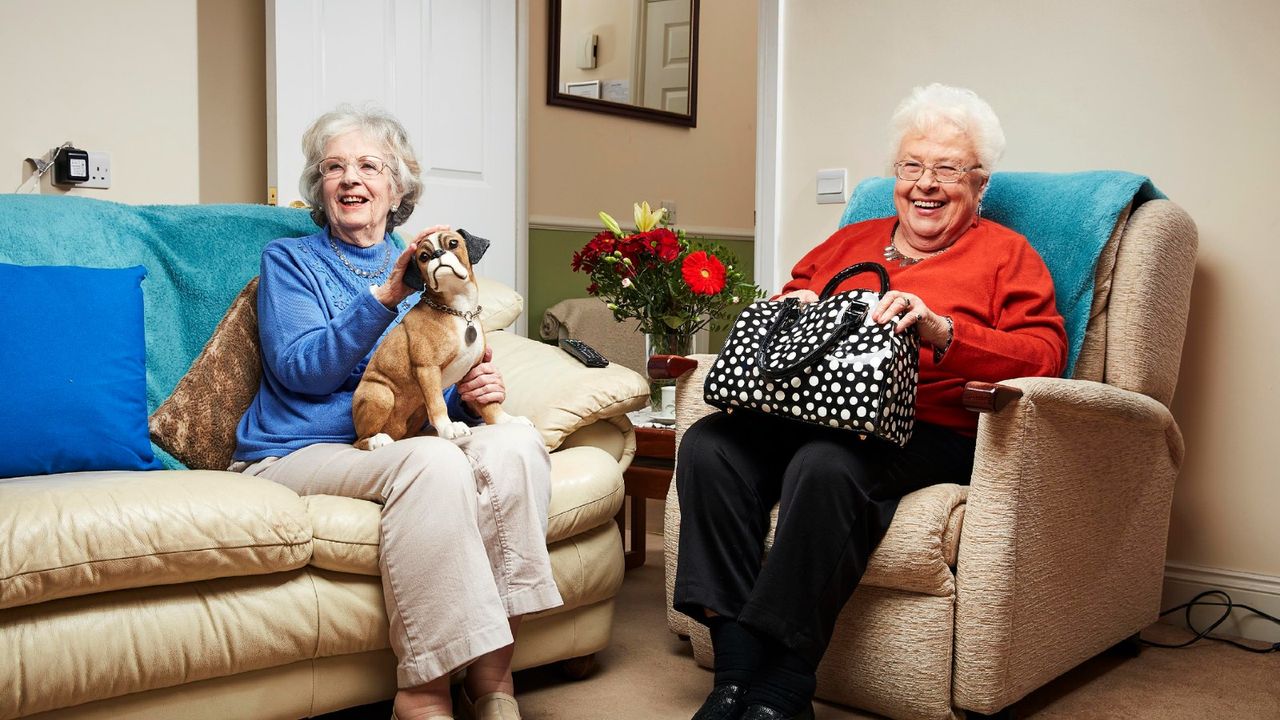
point(670, 205)
point(99, 171)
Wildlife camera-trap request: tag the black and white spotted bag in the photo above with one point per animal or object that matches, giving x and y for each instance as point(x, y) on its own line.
point(824, 363)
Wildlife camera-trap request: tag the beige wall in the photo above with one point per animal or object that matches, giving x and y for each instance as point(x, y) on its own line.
point(582, 162)
point(1181, 90)
point(117, 77)
point(232, 80)
point(173, 89)
point(613, 23)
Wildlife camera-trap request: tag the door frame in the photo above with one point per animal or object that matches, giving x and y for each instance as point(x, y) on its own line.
point(769, 272)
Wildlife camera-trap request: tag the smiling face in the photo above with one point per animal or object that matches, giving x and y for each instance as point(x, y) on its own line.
point(933, 215)
point(357, 206)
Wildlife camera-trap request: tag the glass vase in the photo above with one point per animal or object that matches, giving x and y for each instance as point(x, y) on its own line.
point(665, 343)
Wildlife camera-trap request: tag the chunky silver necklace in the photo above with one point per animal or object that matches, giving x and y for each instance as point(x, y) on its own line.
point(469, 317)
point(368, 274)
point(892, 255)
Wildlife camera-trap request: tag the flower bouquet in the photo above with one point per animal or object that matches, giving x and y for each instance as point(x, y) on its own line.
point(671, 285)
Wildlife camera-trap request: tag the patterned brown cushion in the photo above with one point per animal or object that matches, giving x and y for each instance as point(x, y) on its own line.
point(197, 424)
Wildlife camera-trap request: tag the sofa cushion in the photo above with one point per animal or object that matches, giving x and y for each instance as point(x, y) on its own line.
point(197, 423)
point(560, 394)
point(586, 492)
point(345, 533)
point(500, 304)
point(81, 533)
point(73, 357)
point(918, 552)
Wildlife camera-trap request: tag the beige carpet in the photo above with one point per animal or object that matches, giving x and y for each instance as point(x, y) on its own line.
point(649, 674)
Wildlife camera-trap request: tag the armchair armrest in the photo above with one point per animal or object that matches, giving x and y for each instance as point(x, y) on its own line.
point(559, 394)
point(1063, 545)
point(988, 397)
point(669, 367)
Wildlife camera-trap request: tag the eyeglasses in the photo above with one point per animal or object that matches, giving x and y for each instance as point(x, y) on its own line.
point(366, 166)
point(911, 171)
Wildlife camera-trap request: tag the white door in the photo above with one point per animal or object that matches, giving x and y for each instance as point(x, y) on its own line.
point(446, 68)
point(667, 32)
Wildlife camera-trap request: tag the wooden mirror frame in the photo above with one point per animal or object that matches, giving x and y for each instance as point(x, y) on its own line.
point(555, 97)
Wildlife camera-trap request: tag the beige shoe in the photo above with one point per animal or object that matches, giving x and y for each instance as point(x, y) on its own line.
point(494, 706)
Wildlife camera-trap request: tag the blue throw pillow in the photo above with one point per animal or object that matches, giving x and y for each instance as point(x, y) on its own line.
point(73, 368)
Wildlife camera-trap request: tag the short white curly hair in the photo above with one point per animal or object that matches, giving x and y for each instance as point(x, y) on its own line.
point(927, 107)
point(378, 126)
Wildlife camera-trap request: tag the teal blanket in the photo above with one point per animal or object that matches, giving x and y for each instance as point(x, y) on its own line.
point(1067, 217)
point(198, 258)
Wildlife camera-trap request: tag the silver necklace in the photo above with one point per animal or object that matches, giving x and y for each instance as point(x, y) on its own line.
point(892, 255)
point(469, 317)
point(386, 261)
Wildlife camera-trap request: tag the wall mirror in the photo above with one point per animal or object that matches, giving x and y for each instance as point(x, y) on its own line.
point(637, 58)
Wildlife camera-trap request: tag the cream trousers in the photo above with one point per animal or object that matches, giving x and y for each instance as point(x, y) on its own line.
point(464, 535)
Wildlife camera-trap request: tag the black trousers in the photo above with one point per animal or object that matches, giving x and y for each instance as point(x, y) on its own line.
point(837, 495)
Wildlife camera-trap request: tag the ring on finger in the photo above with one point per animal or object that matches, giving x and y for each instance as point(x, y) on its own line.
point(906, 302)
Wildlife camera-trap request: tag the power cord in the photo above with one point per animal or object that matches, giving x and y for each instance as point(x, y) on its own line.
point(1228, 606)
point(43, 166)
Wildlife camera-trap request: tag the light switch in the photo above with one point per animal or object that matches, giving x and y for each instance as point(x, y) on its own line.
point(831, 186)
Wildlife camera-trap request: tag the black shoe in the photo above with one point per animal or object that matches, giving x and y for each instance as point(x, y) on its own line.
point(724, 703)
point(764, 712)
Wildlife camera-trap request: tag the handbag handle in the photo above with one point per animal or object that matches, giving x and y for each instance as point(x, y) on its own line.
point(786, 316)
point(857, 269)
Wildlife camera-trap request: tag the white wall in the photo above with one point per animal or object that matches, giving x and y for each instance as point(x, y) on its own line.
point(118, 77)
point(1182, 90)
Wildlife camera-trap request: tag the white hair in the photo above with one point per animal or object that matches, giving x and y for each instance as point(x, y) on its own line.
point(927, 107)
point(378, 126)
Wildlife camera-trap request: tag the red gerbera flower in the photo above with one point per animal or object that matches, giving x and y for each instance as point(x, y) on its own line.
point(703, 273)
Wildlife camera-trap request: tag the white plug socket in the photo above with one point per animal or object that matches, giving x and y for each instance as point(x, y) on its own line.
point(670, 207)
point(99, 171)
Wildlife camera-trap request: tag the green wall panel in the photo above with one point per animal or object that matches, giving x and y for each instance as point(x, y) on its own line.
point(551, 279)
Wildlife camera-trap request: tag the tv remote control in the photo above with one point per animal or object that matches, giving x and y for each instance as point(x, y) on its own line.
point(583, 353)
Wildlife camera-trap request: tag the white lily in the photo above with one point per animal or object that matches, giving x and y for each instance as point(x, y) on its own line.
point(611, 224)
point(646, 218)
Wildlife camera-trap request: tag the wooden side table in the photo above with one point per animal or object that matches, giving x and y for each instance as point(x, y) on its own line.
point(648, 477)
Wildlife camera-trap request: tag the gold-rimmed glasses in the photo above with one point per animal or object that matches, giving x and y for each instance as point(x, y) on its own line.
point(367, 166)
point(911, 171)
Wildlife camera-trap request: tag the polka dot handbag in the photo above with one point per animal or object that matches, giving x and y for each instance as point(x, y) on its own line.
point(824, 363)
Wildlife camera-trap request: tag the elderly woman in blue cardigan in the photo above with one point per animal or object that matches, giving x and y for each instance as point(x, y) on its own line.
point(463, 552)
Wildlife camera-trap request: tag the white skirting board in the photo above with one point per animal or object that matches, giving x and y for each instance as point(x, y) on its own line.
point(1183, 582)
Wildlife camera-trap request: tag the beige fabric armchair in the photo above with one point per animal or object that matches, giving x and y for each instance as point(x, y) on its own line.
point(1055, 551)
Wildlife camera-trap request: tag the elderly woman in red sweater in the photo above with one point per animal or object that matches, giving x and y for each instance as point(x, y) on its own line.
point(982, 301)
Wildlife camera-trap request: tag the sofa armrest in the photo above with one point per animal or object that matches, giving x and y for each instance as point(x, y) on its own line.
point(559, 394)
point(1063, 545)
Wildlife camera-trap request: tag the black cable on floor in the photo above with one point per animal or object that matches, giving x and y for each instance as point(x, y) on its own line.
point(1227, 606)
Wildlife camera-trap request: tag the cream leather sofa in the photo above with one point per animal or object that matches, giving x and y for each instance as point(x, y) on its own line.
point(206, 594)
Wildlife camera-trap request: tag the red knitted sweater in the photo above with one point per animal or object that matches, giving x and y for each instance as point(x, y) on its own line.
point(991, 282)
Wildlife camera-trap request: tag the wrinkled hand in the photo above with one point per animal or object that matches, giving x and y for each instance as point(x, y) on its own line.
point(392, 292)
point(483, 384)
point(804, 296)
point(930, 325)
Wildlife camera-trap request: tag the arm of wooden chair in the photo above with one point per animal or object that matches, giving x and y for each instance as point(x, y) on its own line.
point(669, 367)
point(983, 397)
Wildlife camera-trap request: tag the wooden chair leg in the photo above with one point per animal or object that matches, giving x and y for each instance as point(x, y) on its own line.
point(1129, 647)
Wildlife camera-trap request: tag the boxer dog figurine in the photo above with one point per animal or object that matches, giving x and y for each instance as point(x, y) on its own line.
point(433, 347)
